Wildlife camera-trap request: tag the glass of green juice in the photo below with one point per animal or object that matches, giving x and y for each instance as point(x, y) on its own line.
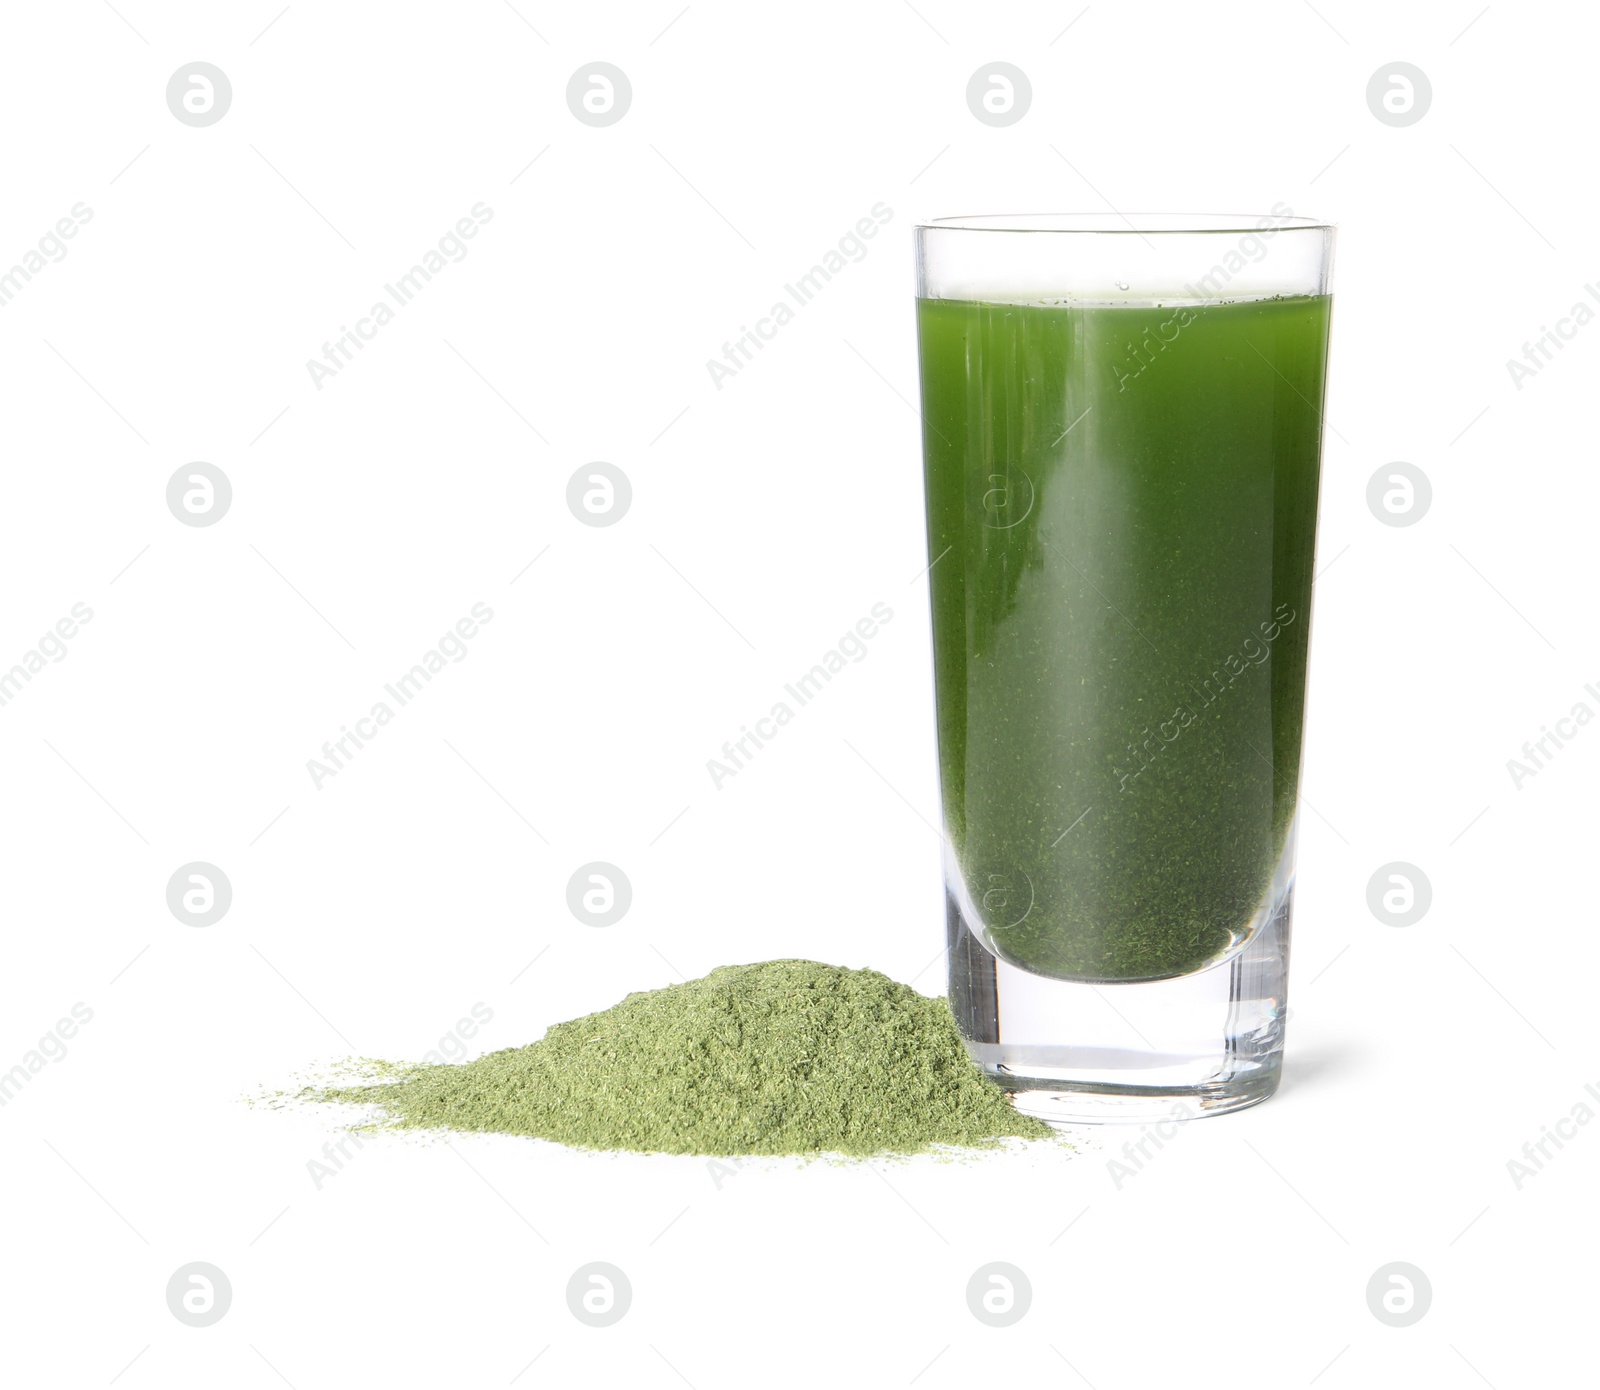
point(1122, 427)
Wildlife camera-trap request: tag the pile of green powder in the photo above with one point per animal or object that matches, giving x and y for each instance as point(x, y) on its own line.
point(783, 1057)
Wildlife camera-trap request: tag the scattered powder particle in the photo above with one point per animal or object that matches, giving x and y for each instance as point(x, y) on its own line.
point(783, 1057)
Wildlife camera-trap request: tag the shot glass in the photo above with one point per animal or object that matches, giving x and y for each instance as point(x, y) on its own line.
point(1122, 427)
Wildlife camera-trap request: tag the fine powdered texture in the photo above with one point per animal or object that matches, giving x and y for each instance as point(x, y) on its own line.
point(782, 1057)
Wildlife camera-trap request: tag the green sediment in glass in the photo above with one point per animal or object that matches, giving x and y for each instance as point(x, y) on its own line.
point(782, 1057)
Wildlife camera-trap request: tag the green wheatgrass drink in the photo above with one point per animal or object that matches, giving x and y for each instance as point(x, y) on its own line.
point(1121, 513)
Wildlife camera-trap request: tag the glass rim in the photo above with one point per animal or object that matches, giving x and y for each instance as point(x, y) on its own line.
point(1140, 224)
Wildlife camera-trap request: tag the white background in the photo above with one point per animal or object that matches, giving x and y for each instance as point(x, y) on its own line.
point(767, 517)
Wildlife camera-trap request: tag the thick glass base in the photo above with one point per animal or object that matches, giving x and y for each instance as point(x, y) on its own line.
point(1082, 1053)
